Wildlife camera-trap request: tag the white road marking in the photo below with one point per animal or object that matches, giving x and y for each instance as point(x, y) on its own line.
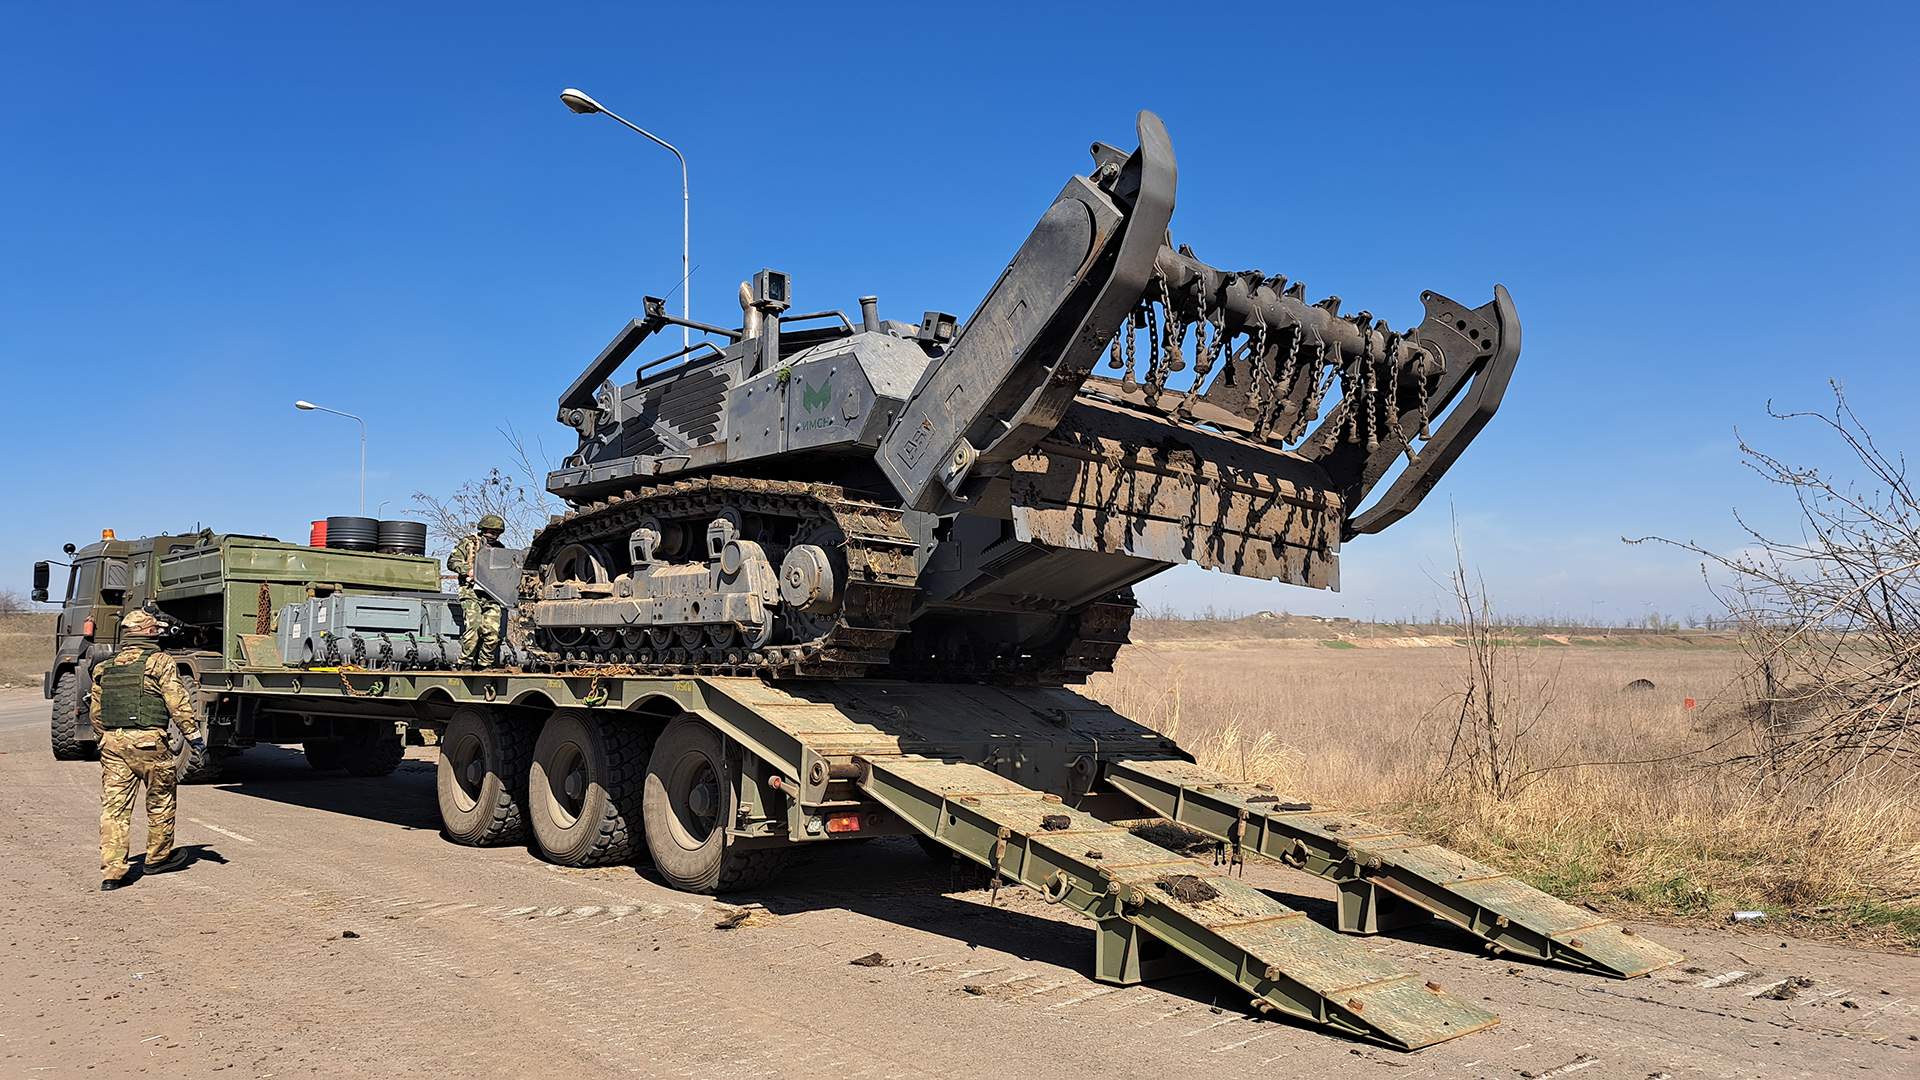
point(223, 832)
point(1088, 996)
point(1241, 1043)
point(1209, 1027)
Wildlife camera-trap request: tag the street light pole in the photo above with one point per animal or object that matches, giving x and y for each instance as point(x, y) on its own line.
point(308, 406)
point(582, 104)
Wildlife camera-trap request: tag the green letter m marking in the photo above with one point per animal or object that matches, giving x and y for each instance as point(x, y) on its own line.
point(814, 398)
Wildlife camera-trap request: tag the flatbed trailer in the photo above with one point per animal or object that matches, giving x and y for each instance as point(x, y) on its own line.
point(717, 780)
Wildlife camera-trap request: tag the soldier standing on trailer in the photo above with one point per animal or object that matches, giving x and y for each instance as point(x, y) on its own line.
point(480, 640)
point(136, 694)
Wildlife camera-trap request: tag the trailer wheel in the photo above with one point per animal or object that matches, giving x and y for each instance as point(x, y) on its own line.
point(691, 793)
point(325, 754)
point(373, 752)
point(482, 778)
point(583, 789)
point(67, 703)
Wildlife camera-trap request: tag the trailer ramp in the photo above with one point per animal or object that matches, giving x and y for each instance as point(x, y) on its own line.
point(1389, 878)
point(1157, 913)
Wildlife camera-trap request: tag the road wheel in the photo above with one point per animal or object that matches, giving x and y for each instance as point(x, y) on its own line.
point(691, 793)
point(374, 751)
point(325, 755)
point(583, 789)
point(67, 703)
point(482, 781)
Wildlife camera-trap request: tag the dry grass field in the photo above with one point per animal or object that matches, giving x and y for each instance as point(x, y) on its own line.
point(1629, 810)
point(26, 648)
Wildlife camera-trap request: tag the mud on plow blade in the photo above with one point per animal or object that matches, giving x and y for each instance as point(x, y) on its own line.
point(1235, 424)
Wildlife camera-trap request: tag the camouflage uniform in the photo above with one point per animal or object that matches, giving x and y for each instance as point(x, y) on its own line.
point(144, 689)
point(480, 640)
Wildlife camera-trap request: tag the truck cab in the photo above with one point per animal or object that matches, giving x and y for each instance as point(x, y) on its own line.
point(105, 580)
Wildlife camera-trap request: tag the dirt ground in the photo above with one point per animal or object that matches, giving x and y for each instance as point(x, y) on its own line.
point(489, 963)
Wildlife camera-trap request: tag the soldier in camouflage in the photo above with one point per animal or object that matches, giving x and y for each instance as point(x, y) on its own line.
point(136, 694)
point(480, 641)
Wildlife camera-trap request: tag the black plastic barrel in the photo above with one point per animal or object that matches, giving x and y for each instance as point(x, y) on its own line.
point(353, 533)
point(403, 537)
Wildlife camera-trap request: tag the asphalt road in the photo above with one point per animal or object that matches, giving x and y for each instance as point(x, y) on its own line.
point(490, 963)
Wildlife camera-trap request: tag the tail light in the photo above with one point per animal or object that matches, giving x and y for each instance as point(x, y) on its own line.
point(843, 823)
point(86, 629)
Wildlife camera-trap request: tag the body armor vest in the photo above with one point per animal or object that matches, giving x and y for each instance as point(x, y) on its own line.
point(124, 699)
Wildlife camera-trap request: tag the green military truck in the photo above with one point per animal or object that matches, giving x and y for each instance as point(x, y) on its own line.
point(222, 595)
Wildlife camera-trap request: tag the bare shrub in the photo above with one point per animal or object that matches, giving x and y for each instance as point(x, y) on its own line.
point(1503, 698)
point(1830, 619)
point(517, 493)
point(13, 602)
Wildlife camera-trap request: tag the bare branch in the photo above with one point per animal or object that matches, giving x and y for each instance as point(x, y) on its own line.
point(1830, 619)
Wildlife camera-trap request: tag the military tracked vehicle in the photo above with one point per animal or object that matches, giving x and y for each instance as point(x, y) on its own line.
point(807, 495)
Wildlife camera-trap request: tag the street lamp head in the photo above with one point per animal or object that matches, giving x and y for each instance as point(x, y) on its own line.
point(305, 406)
point(578, 101)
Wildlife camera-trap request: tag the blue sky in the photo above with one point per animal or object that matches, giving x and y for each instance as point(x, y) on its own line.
point(212, 211)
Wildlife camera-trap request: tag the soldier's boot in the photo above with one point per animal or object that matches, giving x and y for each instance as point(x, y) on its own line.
point(111, 884)
point(174, 861)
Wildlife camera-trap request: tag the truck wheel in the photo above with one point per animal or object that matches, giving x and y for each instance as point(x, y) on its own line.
point(67, 703)
point(583, 797)
point(325, 755)
point(691, 793)
point(482, 778)
point(374, 752)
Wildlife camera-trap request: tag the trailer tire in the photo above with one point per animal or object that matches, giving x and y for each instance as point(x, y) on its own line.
point(67, 703)
point(482, 777)
point(583, 787)
point(325, 755)
point(691, 792)
point(374, 752)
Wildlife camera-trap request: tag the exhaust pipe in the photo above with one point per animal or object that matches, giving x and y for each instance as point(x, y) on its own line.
point(870, 314)
point(749, 315)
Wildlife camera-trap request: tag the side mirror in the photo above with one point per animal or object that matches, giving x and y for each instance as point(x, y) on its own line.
point(42, 576)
